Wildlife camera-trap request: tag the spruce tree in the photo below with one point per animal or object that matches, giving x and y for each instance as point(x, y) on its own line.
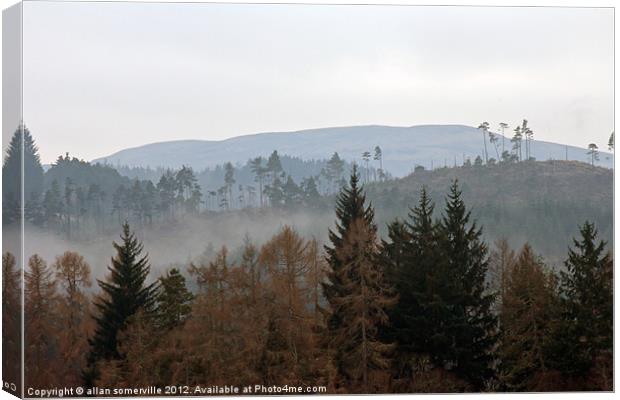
point(357, 293)
point(586, 335)
point(470, 326)
point(413, 250)
point(173, 301)
point(12, 176)
point(124, 293)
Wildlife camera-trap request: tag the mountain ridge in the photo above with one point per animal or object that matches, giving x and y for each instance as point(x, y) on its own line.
point(403, 147)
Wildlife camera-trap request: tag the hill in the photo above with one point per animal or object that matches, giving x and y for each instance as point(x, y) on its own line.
point(542, 203)
point(538, 202)
point(403, 148)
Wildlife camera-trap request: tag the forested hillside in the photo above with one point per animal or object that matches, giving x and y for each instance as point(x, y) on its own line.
point(426, 308)
point(491, 276)
point(529, 201)
point(536, 202)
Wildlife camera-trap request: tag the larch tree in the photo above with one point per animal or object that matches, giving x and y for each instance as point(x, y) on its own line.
point(501, 259)
point(11, 320)
point(125, 292)
point(285, 258)
point(527, 313)
point(73, 275)
point(357, 294)
point(40, 323)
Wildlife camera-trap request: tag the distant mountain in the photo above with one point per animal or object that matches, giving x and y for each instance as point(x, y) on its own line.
point(403, 148)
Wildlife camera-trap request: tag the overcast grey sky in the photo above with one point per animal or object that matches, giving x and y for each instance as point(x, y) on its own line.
point(100, 77)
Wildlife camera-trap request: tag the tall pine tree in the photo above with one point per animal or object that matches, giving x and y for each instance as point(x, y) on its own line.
point(585, 339)
point(414, 260)
point(470, 327)
point(357, 294)
point(12, 176)
point(124, 294)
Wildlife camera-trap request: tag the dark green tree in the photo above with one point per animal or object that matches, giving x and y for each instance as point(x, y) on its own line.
point(334, 170)
point(259, 171)
point(229, 180)
point(310, 192)
point(471, 327)
point(12, 175)
point(275, 192)
point(414, 260)
point(593, 153)
point(291, 192)
point(585, 337)
point(124, 293)
point(167, 188)
point(173, 300)
point(274, 165)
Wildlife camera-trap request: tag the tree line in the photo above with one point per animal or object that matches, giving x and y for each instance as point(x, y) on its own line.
point(523, 135)
point(428, 308)
point(74, 197)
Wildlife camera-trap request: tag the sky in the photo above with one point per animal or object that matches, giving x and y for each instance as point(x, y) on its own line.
point(102, 77)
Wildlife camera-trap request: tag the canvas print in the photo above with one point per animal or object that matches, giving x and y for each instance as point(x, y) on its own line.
point(253, 199)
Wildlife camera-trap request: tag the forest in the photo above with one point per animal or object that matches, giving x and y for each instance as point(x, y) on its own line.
point(517, 198)
point(421, 302)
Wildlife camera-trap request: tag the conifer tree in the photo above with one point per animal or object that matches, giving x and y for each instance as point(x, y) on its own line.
point(470, 327)
point(73, 275)
point(357, 293)
point(587, 293)
point(528, 310)
point(274, 165)
point(259, 171)
point(310, 193)
point(12, 175)
point(501, 260)
point(40, 323)
point(174, 300)
point(229, 180)
point(124, 293)
point(287, 262)
point(415, 277)
point(11, 320)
